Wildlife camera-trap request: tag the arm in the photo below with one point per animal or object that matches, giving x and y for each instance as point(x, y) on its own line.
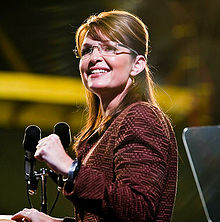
point(51, 151)
point(140, 167)
point(33, 215)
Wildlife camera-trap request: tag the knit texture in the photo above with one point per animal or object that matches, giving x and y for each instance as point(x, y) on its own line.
point(132, 172)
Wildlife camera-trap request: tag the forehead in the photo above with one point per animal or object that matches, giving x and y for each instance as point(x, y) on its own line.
point(100, 38)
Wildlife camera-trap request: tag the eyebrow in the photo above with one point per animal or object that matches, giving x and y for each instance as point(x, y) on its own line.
point(86, 44)
point(90, 44)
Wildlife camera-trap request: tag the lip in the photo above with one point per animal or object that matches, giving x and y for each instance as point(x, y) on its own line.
point(98, 73)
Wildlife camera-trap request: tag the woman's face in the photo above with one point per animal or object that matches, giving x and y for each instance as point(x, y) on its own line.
point(106, 74)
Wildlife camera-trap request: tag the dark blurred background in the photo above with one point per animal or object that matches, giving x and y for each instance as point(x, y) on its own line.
point(40, 83)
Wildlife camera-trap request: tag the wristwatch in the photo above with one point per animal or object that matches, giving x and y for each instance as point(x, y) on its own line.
point(73, 170)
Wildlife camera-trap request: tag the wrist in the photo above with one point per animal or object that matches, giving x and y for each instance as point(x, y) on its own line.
point(65, 167)
point(73, 170)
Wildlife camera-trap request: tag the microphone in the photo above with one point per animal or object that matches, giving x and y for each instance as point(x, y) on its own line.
point(61, 129)
point(31, 137)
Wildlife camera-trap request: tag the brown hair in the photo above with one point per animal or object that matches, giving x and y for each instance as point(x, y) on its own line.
point(128, 29)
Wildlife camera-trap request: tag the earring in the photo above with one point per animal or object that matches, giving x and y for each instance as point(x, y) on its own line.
point(133, 79)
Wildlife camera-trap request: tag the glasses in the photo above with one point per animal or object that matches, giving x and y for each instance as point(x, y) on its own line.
point(106, 49)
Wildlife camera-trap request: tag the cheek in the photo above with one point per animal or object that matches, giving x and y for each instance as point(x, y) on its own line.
point(80, 66)
point(122, 66)
point(82, 69)
point(82, 73)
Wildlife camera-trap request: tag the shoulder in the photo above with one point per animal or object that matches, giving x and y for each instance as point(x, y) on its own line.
point(143, 110)
point(143, 125)
point(143, 117)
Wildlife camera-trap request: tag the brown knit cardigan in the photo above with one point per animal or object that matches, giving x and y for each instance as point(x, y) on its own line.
point(132, 172)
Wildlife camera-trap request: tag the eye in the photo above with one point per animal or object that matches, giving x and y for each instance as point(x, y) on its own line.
point(86, 50)
point(109, 48)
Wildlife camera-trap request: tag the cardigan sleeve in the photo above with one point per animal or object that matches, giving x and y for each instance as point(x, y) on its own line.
point(140, 160)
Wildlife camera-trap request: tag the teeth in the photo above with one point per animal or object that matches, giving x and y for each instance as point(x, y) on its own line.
point(98, 71)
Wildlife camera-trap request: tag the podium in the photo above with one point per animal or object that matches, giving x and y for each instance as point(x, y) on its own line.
point(6, 218)
point(202, 145)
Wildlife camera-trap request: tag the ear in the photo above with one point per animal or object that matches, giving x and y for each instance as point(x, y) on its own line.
point(138, 65)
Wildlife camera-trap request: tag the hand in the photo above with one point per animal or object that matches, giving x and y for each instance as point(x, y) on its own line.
point(33, 215)
point(51, 151)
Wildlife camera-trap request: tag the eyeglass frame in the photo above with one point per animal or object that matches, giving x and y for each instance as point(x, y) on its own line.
point(75, 51)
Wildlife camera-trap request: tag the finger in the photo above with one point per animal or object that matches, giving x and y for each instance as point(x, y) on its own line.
point(43, 139)
point(41, 144)
point(38, 155)
point(24, 219)
point(20, 217)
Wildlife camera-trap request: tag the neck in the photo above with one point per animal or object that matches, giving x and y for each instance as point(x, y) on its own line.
point(110, 99)
point(109, 104)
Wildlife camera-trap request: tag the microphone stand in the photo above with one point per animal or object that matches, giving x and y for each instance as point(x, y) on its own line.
point(41, 175)
point(31, 138)
point(44, 174)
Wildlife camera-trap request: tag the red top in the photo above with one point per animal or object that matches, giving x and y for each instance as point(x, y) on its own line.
point(132, 172)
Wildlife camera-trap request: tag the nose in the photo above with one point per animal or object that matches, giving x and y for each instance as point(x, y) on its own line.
point(96, 54)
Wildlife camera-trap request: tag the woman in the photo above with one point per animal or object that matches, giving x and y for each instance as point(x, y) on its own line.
point(127, 155)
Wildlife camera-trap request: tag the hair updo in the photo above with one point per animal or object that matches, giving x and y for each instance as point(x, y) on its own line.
point(118, 26)
point(128, 29)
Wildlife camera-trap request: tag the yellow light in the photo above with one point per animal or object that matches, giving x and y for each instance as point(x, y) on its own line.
point(41, 88)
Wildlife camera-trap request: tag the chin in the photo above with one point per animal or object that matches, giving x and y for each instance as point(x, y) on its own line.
point(98, 89)
point(97, 85)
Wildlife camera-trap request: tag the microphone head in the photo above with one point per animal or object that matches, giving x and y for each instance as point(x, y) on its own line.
point(31, 137)
point(62, 129)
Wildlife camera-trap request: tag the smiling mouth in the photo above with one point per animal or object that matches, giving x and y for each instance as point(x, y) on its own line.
point(96, 72)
